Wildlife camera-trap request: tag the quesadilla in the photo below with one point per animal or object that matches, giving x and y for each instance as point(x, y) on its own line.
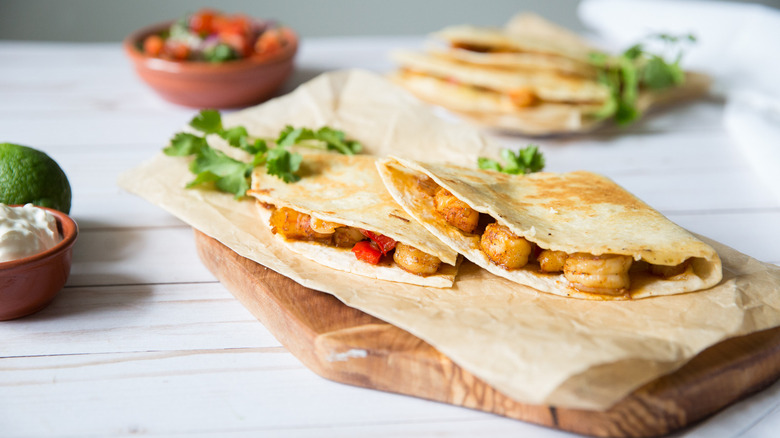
point(574, 234)
point(517, 111)
point(341, 215)
point(530, 77)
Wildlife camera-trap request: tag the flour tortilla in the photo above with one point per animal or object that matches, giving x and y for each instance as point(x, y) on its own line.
point(348, 190)
point(549, 87)
point(570, 212)
point(489, 108)
point(517, 61)
point(520, 37)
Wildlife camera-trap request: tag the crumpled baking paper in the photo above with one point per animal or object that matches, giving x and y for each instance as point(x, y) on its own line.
point(536, 348)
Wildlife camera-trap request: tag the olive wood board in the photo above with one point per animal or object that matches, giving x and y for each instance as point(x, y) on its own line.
point(321, 331)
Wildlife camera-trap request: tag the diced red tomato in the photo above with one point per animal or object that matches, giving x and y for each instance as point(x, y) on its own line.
point(367, 251)
point(219, 22)
point(269, 42)
point(177, 51)
point(153, 45)
point(239, 42)
point(384, 243)
point(240, 23)
point(202, 22)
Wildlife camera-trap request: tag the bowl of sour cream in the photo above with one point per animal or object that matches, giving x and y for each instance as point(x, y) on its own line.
point(36, 247)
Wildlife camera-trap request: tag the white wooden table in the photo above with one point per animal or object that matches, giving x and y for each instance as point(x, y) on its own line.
point(143, 339)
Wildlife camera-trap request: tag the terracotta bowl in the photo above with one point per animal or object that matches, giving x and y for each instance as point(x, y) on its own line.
point(231, 84)
point(27, 285)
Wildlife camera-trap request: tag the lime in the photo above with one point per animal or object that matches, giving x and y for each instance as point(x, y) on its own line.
point(28, 175)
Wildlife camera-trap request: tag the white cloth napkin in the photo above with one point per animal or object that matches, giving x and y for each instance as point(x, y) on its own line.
point(737, 43)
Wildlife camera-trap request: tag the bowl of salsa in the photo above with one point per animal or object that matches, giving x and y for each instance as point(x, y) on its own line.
point(210, 59)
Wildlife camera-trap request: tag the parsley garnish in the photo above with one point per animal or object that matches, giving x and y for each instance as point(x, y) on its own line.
point(214, 167)
point(526, 160)
point(637, 68)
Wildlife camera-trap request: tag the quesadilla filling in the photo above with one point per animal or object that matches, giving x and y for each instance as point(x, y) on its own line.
point(607, 274)
point(368, 246)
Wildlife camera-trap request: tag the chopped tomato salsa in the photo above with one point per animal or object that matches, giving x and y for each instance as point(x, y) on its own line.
point(212, 36)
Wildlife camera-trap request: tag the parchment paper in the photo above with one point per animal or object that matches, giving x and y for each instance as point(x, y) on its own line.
point(534, 347)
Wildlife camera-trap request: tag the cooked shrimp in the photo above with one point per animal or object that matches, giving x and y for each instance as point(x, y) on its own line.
point(523, 97)
point(505, 248)
point(415, 261)
point(456, 212)
point(347, 237)
point(669, 271)
point(605, 274)
point(324, 227)
point(551, 261)
point(293, 224)
point(426, 185)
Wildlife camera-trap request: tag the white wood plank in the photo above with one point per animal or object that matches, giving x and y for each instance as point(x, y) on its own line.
point(170, 317)
point(134, 256)
point(221, 392)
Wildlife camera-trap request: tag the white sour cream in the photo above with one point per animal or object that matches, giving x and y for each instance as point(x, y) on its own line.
point(25, 231)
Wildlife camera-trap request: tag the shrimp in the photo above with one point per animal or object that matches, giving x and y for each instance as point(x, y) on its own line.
point(605, 274)
point(347, 237)
point(551, 261)
point(669, 271)
point(426, 185)
point(293, 224)
point(413, 260)
point(455, 211)
point(505, 248)
point(324, 227)
point(523, 97)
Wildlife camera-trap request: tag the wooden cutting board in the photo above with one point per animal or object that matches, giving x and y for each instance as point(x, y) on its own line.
point(346, 345)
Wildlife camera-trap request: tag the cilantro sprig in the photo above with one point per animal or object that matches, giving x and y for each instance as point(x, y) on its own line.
point(526, 160)
point(638, 68)
point(214, 167)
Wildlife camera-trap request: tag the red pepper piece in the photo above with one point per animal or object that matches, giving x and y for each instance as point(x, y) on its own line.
point(366, 252)
point(384, 243)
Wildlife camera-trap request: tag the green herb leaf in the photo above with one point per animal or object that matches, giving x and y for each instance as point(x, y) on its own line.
point(526, 160)
point(208, 121)
point(228, 174)
point(657, 74)
point(324, 138)
point(283, 164)
point(337, 140)
point(219, 53)
point(289, 136)
point(184, 144)
point(234, 135)
point(634, 69)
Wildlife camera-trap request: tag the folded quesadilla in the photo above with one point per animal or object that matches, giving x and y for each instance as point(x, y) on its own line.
point(574, 234)
point(341, 215)
point(530, 77)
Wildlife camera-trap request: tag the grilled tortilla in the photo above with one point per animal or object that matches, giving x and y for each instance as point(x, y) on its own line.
point(499, 110)
point(606, 243)
point(545, 86)
point(531, 77)
point(320, 218)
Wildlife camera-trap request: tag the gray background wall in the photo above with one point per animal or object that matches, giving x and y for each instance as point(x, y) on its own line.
point(111, 20)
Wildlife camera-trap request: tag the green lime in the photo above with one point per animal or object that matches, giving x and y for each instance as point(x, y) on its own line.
point(28, 175)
